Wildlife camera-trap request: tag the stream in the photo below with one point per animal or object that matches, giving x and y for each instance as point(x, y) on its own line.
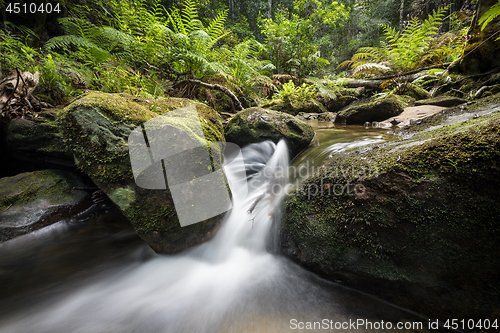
point(92, 273)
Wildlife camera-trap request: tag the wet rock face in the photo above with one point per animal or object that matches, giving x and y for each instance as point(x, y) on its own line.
point(38, 140)
point(32, 200)
point(97, 127)
point(257, 124)
point(421, 227)
point(372, 111)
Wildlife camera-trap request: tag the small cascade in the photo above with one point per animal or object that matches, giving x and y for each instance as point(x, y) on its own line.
point(229, 284)
point(257, 189)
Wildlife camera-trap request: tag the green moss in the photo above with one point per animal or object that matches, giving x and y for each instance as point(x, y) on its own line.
point(96, 127)
point(123, 197)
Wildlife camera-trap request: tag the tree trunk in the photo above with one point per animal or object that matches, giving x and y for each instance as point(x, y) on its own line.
point(270, 12)
point(401, 15)
point(231, 10)
point(481, 51)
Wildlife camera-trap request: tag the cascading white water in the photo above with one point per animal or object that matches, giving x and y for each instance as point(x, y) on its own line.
point(230, 284)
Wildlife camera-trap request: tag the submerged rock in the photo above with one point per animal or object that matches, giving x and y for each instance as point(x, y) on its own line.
point(378, 110)
point(257, 124)
point(414, 221)
point(32, 200)
point(97, 126)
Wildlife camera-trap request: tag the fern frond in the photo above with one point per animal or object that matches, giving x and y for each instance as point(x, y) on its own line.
point(216, 26)
point(490, 15)
point(324, 91)
point(66, 42)
point(370, 68)
point(189, 13)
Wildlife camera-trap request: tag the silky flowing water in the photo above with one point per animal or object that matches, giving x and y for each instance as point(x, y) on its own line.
point(92, 274)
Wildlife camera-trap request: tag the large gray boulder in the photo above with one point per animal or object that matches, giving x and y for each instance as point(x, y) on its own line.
point(97, 127)
point(378, 110)
point(414, 221)
point(257, 124)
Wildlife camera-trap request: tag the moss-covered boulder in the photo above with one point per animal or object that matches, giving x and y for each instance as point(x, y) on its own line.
point(337, 104)
point(414, 221)
point(294, 106)
point(257, 124)
point(97, 127)
point(445, 101)
point(378, 110)
point(32, 200)
point(37, 140)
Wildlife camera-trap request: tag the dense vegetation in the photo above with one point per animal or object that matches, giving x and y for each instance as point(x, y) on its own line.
point(251, 49)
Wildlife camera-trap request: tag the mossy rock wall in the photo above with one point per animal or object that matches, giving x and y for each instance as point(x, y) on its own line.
point(96, 128)
point(256, 124)
point(480, 53)
point(414, 221)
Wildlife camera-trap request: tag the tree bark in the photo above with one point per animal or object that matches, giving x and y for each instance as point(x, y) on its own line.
point(231, 10)
point(401, 15)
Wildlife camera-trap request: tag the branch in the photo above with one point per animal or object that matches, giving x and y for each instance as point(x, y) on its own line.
point(226, 91)
point(13, 91)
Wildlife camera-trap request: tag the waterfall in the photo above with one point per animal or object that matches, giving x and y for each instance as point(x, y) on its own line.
point(229, 284)
point(258, 179)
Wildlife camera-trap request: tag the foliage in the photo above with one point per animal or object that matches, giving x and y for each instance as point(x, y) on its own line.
point(15, 53)
point(304, 92)
point(332, 89)
point(489, 16)
point(416, 45)
point(292, 36)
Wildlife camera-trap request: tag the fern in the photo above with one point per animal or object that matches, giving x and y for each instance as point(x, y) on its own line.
point(489, 16)
point(402, 50)
point(327, 92)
